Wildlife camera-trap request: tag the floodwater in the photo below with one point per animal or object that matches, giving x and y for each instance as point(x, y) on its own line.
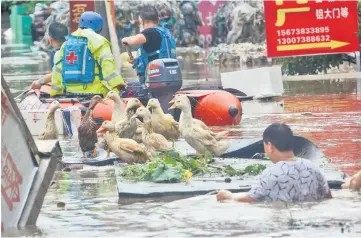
point(327, 112)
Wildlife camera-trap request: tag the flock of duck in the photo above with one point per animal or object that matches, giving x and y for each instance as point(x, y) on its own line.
point(137, 133)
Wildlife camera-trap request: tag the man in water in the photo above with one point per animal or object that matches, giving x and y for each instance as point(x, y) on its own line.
point(85, 64)
point(289, 179)
point(156, 42)
point(57, 33)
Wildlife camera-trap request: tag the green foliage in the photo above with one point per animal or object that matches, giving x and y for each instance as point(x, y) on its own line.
point(254, 169)
point(170, 166)
point(303, 65)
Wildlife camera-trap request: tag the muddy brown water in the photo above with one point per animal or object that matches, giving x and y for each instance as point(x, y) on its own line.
point(327, 111)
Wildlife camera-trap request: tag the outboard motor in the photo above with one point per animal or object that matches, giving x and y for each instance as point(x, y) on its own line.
point(163, 79)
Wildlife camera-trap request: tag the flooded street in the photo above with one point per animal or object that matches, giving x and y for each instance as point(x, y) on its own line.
point(328, 112)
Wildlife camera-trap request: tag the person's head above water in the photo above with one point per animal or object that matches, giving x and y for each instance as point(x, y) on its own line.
point(57, 33)
point(149, 16)
point(91, 20)
point(278, 141)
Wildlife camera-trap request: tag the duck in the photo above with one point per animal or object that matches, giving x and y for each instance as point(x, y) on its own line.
point(118, 108)
point(198, 138)
point(153, 141)
point(218, 136)
point(87, 134)
point(126, 149)
point(51, 131)
point(130, 111)
point(127, 127)
point(162, 123)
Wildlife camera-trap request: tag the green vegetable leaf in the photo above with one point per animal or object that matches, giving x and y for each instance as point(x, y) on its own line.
point(166, 173)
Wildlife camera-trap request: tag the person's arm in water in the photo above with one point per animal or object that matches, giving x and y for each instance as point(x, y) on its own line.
point(36, 84)
point(257, 192)
point(354, 182)
point(239, 197)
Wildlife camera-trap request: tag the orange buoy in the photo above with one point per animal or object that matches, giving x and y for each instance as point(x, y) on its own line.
point(219, 108)
point(105, 111)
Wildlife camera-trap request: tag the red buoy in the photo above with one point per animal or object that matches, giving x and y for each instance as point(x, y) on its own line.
point(219, 108)
point(105, 111)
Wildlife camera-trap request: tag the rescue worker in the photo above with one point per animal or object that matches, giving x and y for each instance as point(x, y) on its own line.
point(57, 33)
point(85, 64)
point(155, 42)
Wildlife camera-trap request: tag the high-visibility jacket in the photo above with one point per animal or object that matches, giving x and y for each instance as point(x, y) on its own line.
point(101, 51)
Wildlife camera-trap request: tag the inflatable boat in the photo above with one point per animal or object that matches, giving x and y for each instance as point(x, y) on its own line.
point(213, 107)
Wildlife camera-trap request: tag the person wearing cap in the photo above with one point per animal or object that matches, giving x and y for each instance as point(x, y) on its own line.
point(56, 36)
point(85, 64)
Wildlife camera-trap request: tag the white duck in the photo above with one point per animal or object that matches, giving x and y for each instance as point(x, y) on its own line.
point(162, 123)
point(51, 131)
point(154, 142)
point(217, 136)
point(118, 108)
point(126, 149)
point(197, 137)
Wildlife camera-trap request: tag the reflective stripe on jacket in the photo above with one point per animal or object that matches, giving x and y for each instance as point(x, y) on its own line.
point(100, 48)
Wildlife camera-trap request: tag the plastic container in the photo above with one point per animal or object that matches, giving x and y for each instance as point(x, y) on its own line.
point(23, 25)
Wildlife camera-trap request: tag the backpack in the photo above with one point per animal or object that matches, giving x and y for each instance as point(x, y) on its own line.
point(78, 62)
point(167, 45)
point(167, 50)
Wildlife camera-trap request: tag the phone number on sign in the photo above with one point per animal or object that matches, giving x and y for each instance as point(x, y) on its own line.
point(303, 39)
point(303, 31)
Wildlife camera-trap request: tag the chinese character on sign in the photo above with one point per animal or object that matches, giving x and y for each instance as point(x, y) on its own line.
point(10, 179)
point(77, 11)
point(4, 108)
point(281, 13)
point(344, 12)
point(327, 13)
point(209, 19)
point(336, 13)
point(319, 14)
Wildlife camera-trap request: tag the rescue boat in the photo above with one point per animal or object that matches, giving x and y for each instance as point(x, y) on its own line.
point(215, 107)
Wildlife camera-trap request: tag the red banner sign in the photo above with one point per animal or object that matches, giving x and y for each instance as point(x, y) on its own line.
point(303, 27)
point(76, 9)
point(207, 10)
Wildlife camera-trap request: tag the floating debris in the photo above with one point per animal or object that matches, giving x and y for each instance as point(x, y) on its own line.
point(247, 53)
point(60, 204)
